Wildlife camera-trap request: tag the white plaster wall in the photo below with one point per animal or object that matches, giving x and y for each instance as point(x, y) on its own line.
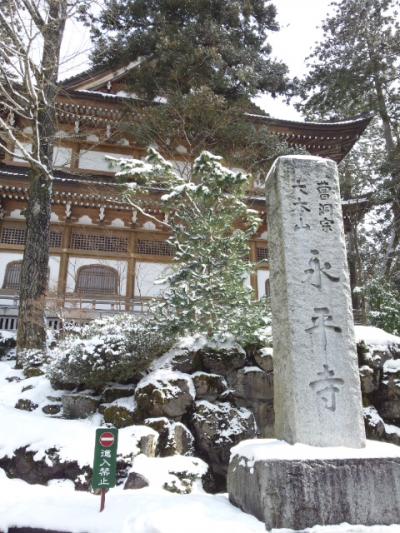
point(5, 258)
point(145, 276)
point(75, 262)
point(93, 160)
point(18, 152)
point(262, 276)
point(54, 267)
point(62, 156)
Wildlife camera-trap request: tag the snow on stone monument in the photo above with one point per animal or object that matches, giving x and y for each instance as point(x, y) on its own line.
point(317, 397)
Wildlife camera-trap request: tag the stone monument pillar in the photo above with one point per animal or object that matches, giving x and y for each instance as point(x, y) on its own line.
point(317, 395)
point(319, 470)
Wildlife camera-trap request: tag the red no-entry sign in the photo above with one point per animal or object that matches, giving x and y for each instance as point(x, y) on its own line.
point(106, 439)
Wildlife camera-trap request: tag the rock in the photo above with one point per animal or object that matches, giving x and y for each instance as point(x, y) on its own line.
point(252, 383)
point(33, 372)
point(369, 382)
point(263, 411)
point(22, 465)
point(374, 425)
point(52, 409)
point(217, 427)
point(13, 379)
point(119, 416)
point(208, 386)
point(175, 438)
point(28, 387)
point(148, 444)
point(26, 405)
point(115, 392)
point(135, 481)
point(299, 492)
point(164, 393)
point(264, 359)
point(185, 360)
point(223, 361)
point(390, 410)
point(79, 405)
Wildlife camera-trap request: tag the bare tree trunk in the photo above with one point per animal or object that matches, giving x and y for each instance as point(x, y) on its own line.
point(34, 271)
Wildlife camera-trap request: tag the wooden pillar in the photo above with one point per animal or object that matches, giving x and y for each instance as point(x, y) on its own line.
point(131, 270)
point(62, 277)
point(253, 275)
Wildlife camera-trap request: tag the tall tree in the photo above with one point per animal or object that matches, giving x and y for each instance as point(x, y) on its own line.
point(355, 69)
point(185, 45)
point(31, 32)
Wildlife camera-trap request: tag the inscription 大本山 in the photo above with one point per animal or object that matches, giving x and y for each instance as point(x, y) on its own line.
point(326, 387)
point(317, 271)
point(323, 322)
point(301, 208)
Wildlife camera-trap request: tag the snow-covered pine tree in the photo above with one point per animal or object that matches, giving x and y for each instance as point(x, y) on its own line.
point(210, 226)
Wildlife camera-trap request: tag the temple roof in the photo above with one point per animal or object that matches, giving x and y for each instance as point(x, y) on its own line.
point(85, 94)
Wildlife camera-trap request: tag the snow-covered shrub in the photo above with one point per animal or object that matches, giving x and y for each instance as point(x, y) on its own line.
point(108, 349)
point(7, 342)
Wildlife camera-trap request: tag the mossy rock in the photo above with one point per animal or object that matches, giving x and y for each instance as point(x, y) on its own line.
point(26, 405)
point(33, 372)
point(119, 416)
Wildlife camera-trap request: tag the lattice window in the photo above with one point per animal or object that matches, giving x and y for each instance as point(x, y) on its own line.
point(262, 254)
point(102, 243)
point(149, 247)
point(17, 235)
point(12, 275)
point(97, 279)
point(55, 239)
point(13, 235)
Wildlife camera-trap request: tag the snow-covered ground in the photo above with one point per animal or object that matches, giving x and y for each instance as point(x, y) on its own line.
point(149, 510)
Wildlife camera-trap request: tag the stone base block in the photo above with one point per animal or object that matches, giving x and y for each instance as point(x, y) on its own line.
point(299, 486)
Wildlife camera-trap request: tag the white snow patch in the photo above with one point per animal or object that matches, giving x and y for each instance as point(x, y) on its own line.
point(392, 366)
point(376, 337)
point(275, 450)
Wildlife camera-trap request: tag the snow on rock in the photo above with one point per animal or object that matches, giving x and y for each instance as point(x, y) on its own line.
point(375, 337)
point(177, 473)
point(392, 366)
point(165, 393)
point(74, 439)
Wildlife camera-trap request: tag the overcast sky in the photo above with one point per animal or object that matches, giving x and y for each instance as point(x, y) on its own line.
point(300, 22)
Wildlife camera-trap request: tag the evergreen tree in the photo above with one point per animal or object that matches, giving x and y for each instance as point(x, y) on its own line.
point(191, 123)
point(210, 230)
point(185, 45)
point(355, 70)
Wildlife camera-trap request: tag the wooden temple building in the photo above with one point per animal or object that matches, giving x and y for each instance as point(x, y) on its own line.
point(105, 256)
